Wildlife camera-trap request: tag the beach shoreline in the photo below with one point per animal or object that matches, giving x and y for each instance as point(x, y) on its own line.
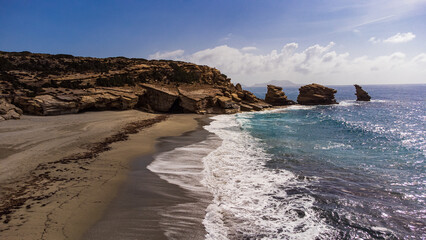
point(49, 198)
point(148, 205)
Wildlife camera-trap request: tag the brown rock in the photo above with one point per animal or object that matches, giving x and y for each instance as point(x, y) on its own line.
point(9, 111)
point(315, 94)
point(276, 97)
point(67, 84)
point(75, 101)
point(50, 105)
point(226, 103)
point(235, 97)
point(197, 99)
point(245, 107)
point(249, 97)
point(108, 98)
point(159, 98)
point(361, 94)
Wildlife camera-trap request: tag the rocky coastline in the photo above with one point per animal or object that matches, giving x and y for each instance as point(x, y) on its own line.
point(45, 84)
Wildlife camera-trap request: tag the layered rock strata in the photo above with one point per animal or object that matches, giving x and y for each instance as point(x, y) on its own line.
point(9, 111)
point(316, 94)
point(276, 97)
point(43, 84)
point(361, 94)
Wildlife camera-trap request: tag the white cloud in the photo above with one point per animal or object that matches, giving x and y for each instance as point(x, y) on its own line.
point(374, 40)
point(248, 49)
point(167, 55)
point(400, 38)
point(315, 63)
point(397, 38)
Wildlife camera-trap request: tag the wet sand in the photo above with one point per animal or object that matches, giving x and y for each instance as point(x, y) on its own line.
point(148, 207)
point(60, 173)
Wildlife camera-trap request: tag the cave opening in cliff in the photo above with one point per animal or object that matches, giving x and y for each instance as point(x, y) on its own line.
point(176, 108)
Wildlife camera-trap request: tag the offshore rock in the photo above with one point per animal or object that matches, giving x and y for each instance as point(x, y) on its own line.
point(316, 94)
point(361, 94)
point(276, 97)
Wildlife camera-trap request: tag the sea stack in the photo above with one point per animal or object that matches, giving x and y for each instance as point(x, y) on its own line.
point(276, 97)
point(316, 94)
point(361, 95)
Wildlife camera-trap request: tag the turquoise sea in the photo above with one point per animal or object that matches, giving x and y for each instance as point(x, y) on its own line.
point(355, 170)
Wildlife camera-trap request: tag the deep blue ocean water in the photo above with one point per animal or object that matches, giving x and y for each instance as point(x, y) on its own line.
point(355, 170)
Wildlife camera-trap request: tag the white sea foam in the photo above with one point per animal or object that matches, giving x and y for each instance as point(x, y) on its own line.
point(380, 100)
point(250, 200)
point(283, 109)
point(332, 145)
point(300, 107)
point(183, 166)
point(347, 103)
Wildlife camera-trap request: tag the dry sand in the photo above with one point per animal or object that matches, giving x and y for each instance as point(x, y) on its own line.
point(56, 177)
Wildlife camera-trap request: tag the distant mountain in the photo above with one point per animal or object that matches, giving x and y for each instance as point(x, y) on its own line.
point(279, 83)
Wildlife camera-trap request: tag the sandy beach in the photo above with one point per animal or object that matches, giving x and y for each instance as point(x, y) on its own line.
point(59, 174)
point(151, 204)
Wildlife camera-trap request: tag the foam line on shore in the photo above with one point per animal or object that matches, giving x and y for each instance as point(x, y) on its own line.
point(251, 201)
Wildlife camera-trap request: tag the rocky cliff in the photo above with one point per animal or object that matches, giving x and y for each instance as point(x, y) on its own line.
point(44, 84)
point(361, 94)
point(316, 94)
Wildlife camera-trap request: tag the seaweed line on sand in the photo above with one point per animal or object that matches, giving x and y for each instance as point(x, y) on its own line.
point(36, 188)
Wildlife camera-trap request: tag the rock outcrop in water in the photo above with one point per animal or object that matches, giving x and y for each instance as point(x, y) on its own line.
point(361, 94)
point(316, 94)
point(276, 97)
point(44, 84)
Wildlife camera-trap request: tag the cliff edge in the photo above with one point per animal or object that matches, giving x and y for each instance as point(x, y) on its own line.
point(45, 84)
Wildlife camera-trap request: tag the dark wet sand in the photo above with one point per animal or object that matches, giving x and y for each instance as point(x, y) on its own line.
point(148, 207)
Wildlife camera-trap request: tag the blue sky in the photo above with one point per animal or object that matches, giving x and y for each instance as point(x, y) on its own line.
point(331, 42)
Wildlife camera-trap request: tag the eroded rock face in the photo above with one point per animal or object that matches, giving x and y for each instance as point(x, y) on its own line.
point(276, 97)
point(9, 111)
point(159, 98)
point(44, 84)
point(198, 98)
point(361, 94)
point(78, 101)
point(316, 94)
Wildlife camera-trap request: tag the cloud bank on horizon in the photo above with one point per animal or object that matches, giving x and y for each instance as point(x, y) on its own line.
point(315, 63)
point(371, 47)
